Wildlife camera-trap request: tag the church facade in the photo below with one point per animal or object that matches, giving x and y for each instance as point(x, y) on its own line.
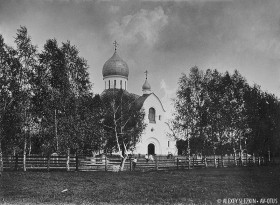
point(154, 139)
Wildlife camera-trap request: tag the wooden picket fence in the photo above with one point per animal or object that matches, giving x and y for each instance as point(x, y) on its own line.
point(104, 163)
point(38, 162)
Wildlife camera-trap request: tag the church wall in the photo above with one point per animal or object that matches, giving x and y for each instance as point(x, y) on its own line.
point(155, 133)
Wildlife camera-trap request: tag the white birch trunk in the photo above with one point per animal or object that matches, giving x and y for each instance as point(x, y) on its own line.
point(123, 163)
point(68, 160)
point(24, 154)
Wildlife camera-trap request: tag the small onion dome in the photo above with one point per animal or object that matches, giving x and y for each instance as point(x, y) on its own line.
point(115, 66)
point(146, 86)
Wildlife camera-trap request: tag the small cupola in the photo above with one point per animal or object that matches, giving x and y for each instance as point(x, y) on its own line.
point(146, 88)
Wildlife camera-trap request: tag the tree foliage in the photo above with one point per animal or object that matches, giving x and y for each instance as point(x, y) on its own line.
point(123, 122)
point(46, 101)
point(223, 113)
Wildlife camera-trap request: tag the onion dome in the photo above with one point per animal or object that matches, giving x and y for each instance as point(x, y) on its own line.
point(115, 66)
point(146, 86)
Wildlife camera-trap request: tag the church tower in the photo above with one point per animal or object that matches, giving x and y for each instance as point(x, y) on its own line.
point(115, 72)
point(154, 139)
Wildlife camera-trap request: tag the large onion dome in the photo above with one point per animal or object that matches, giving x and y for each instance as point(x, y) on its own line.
point(115, 66)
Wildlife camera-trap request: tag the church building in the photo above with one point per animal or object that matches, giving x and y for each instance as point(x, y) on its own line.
point(154, 139)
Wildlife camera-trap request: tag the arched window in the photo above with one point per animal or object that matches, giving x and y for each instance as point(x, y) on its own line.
point(152, 115)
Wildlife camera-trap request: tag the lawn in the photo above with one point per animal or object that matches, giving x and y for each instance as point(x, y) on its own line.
point(199, 186)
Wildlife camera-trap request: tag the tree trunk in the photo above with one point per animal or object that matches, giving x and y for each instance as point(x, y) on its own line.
point(123, 162)
point(1, 159)
point(241, 158)
point(68, 160)
point(234, 155)
point(189, 159)
point(215, 162)
point(30, 146)
point(24, 154)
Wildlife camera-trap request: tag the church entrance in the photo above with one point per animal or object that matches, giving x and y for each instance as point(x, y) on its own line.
point(151, 149)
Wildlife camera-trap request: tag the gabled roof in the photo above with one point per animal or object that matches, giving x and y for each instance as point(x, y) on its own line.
point(140, 101)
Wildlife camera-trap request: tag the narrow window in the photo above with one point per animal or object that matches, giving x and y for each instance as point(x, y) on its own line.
point(109, 84)
point(115, 83)
point(152, 115)
point(168, 144)
point(125, 85)
point(121, 83)
point(159, 117)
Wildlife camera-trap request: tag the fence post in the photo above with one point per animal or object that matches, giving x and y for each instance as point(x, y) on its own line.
point(205, 162)
point(246, 159)
point(156, 161)
point(254, 160)
point(193, 162)
point(259, 161)
point(48, 162)
point(16, 162)
point(106, 163)
point(215, 162)
point(130, 164)
point(218, 162)
point(1, 161)
point(177, 163)
point(77, 161)
point(234, 159)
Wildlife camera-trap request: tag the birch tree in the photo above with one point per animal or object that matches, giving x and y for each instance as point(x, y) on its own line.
point(27, 57)
point(123, 123)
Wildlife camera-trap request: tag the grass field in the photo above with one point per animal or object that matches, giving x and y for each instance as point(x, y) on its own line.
point(199, 186)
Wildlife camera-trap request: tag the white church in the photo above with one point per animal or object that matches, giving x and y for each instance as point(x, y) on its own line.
point(154, 139)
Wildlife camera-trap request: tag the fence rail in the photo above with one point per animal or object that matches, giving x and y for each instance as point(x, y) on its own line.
point(83, 163)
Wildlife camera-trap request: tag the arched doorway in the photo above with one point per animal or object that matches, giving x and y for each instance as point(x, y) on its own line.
point(151, 149)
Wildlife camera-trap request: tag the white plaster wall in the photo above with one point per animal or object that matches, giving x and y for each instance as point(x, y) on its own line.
point(158, 136)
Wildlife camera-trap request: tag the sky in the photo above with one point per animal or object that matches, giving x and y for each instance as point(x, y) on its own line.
point(166, 38)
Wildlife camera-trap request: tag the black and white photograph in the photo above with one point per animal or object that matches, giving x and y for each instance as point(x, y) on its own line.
point(140, 102)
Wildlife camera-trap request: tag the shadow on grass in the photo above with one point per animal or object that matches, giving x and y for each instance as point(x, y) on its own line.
point(152, 187)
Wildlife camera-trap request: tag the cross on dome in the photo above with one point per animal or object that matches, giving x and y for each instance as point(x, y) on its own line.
point(115, 45)
point(146, 73)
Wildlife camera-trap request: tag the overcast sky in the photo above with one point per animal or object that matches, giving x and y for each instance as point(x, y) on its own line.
point(164, 37)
